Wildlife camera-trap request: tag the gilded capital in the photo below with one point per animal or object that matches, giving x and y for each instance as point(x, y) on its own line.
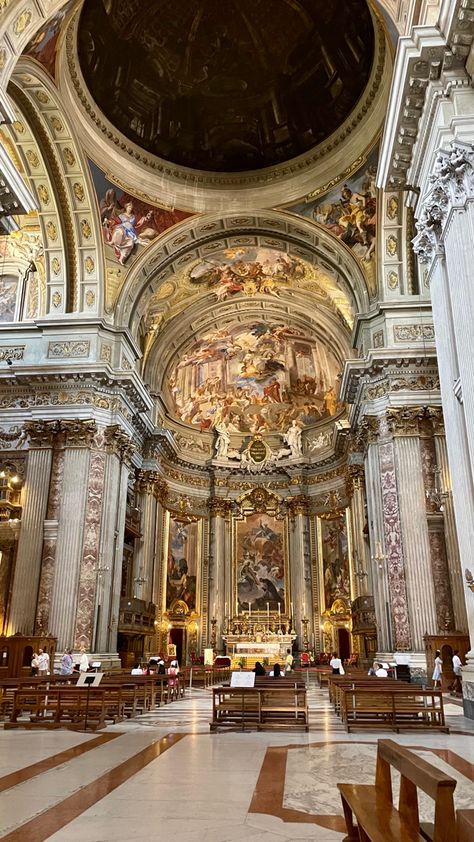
point(146, 481)
point(41, 433)
point(365, 434)
point(219, 506)
point(405, 421)
point(299, 505)
point(78, 433)
point(435, 415)
point(355, 477)
point(117, 441)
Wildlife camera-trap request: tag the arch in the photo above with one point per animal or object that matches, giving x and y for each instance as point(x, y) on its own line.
point(57, 169)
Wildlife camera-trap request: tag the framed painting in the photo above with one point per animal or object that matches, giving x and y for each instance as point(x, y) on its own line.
point(260, 564)
point(182, 553)
point(334, 554)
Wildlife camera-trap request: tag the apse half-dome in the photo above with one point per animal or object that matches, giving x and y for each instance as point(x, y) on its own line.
point(226, 86)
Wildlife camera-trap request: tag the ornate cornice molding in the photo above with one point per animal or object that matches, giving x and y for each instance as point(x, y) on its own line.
point(451, 185)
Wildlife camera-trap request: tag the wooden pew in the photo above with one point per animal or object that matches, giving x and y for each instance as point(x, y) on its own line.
point(282, 705)
point(378, 820)
point(392, 709)
point(61, 706)
point(465, 825)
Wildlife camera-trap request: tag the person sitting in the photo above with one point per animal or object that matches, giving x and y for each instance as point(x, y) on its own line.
point(276, 672)
point(137, 670)
point(373, 669)
point(336, 664)
point(259, 669)
point(381, 671)
point(161, 667)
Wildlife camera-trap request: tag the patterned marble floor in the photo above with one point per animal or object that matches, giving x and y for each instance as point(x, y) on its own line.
point(164, 776)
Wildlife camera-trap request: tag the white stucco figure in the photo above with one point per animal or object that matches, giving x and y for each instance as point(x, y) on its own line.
point(293, 439)
point(223, 440)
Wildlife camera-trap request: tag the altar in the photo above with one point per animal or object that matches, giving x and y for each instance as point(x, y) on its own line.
point(245, 650)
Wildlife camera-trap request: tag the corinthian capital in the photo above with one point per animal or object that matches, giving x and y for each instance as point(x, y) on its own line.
point(117, 441)
point(41, 433)
point(365, 434)
point(405, 421)
point(435, 415)
point(146, 481)
point(78, 433)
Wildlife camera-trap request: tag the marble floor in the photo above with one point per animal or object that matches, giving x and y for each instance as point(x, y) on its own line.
point(165, 776)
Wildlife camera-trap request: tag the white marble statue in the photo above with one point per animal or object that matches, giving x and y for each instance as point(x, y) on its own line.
point(223, 440)
point(293, 440)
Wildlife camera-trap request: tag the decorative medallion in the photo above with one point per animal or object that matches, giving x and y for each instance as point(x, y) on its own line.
point(52, 231)
point(392, 280)
point(43, 194)
point(392, 207)
point(78, 191)
point(56, 124)
point(55, 266)
point(41, 96)
point(90, 298)
point(32, 158)
point(3, 58)
point(68, 156)
point(86, 229)
point(392, 245)
point(22, 22)
point(56, 298)
point(89, 265)
point(19, 127)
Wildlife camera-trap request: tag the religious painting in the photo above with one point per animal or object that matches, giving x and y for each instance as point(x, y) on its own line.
point(260, 563)
point(43, 46)
point(247, 271)
point(255, 377)
point(334, 552)
point(128, 223)
point(349, 210)
point(183, 554)
point(8, 294)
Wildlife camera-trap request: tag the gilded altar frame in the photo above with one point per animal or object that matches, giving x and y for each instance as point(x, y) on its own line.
point(181, 611)
point(339, 612)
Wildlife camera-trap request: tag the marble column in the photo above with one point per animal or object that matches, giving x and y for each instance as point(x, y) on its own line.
point(416, 543)
point(375, 512)
point(145, 555)
point(220, 596)
point(301, 597)
point(117, 549)
point(361, 574)
point(64, 605)
point(26, 579)
point(104, 571)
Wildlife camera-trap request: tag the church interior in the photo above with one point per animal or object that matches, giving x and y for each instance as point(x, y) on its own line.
point(236, 419)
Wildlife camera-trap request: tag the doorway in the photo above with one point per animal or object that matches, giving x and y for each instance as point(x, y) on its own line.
point(177, 638)
point(344, 644)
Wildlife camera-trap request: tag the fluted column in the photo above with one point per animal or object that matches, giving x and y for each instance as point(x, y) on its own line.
point(103, 610)
point(300, 591)
point(26, 578)
point(220, 595)
point(64, 605)
point(361, 574)
point(145, 555)
point(416, 545)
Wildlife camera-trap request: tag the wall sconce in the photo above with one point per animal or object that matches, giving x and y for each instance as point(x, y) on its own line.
point(469, 579)
point(379, 556)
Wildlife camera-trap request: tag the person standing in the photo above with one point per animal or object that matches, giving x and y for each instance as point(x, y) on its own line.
point(438, 670)
point(83, 661)
point(67, 663)
point(34, 664)
point(289, 661)
point(336, 664)
point(455, 687)
point(43, 662)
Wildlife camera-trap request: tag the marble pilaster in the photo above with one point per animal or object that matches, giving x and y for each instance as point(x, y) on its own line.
point(145, 554)
point(379, 574)
point(361, 574)
point(220, 594)
point(26, 579)
point(299, 589)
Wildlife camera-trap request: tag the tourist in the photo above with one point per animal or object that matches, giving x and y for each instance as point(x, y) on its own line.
point(455, 686)
point(83, 661)
point(276, 672)
point(289, 661)
point(438, 669)
point(34, 664)
point(43, 662)
point(67, 663)
point(137, 670)
point(173, 670)
point(259, 669)
point(381, 671)
point(336, 664)
point(161, 667)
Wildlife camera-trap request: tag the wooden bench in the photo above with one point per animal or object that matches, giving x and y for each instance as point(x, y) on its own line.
point(465, 825)
point(377, 818)
point(393, 709)
point(56, 707)
point(264, 707)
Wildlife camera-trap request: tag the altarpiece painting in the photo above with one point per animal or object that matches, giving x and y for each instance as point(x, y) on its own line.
point(182, 566)
point(260, 563)
point(334, 560)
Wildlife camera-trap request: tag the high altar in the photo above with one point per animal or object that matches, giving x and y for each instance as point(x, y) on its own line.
point(247, 642)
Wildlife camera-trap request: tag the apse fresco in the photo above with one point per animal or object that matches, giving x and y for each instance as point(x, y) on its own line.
point(181, 576)
point(247, 271)
point(335, 560)
point(128, 223)
point(43, 46)
point(260, 563)
point(349, 211)
point(255, 377)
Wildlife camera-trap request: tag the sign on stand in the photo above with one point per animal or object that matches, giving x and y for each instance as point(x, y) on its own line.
point(242, 679)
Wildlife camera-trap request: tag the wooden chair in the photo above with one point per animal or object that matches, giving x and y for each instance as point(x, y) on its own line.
point(465, 825)
point(378, 820)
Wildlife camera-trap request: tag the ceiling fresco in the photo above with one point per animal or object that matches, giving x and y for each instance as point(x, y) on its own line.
point(243, 272)
point(226, 87)
point(255, 377)
point(349, 212)
point(43, 47)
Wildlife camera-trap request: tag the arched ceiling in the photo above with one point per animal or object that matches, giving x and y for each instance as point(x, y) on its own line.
point(226, 87)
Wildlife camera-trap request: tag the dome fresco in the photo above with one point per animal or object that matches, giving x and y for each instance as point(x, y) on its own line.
point(232, 86)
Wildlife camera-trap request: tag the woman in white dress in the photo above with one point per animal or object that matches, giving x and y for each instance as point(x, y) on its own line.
point(438, 669)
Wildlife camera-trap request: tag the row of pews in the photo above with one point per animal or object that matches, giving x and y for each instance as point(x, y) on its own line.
point(271, 703)
point(371, 815)
point(56, 701)
point(368, 702)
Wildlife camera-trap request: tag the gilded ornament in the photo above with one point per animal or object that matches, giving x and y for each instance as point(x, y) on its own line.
point(56, 298)
point(392, 245)
point(19, 127)
point(56, 124)
point(69, 156)
point(86, 229)
point(106, 353)
point(164, 291)
point(43, 194)
point(3, 58)
point(378, 339)
point(22, 22)
point(125, 363)
point(90, 298)
point(52, 231)
point(78, 191)
point(392, 280)
point(32, 158)
point(55, 266)
point(89, 265)
point(392, 207)
point(43, 97)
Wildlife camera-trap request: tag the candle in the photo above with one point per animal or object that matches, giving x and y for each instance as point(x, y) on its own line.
point(278, 609)
point(268, 609)
point(304, 608)
point(250, 610)
point(291, 609)
point(214, 610)
point(226, 609)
